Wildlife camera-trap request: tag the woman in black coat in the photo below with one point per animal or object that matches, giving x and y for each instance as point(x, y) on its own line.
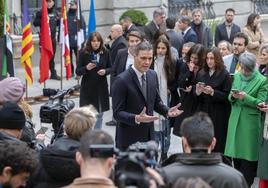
point(195, 59)
point(212, 90)
point(94, 65)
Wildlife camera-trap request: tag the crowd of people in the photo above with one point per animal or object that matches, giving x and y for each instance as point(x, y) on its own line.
point(211, 93)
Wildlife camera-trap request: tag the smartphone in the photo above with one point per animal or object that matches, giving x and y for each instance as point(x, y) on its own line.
point(93, 58)
point(262, 105)
point(235, 90)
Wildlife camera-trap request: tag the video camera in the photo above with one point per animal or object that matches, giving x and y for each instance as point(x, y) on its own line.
point(56, 108)
point(130, 165)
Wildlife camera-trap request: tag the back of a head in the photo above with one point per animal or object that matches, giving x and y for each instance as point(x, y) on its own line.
point(94, 137)
point(18, 156)
point(79, 120)
point(198, 130)
point(12, 89)
point(190, 183)
point(11, 116)
point(170, 22)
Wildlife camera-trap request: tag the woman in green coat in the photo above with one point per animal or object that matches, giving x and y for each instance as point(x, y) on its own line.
point(249, 89)
point(262, 171)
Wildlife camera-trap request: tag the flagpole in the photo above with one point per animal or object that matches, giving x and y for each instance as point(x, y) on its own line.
point(61, 73)
point(26, 85)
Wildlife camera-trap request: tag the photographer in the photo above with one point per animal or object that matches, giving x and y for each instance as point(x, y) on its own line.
point(198, 141)
point(94, 170)
point(59, 167)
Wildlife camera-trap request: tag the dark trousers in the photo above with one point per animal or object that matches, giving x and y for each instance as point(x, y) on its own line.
point(52, 62)
point(73, 50)
point(247, 168)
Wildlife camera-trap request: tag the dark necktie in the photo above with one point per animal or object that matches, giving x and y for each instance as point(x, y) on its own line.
point(144, 86)
point(182, 33)
point(233, 65)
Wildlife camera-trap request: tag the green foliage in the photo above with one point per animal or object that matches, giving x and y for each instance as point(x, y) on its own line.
point(212, 24)
point(2, 12)
point(138, 17)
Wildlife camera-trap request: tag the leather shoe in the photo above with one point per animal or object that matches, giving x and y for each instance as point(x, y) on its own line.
point(55, 77)
point(111, 123)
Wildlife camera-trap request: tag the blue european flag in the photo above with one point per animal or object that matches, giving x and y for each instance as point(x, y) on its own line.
point(92, 18)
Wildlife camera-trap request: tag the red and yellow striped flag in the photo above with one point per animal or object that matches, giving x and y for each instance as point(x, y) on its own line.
point(64, 40)
point(27, 48)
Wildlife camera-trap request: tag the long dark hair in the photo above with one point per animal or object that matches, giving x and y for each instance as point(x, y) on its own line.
point(200, 51)
point(169, 65)
point(250, 22)
point(219, 65)
point(88, 46)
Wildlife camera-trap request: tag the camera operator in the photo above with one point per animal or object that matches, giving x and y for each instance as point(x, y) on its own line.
point(94, 170)
point(198, 160)
point(58, 165)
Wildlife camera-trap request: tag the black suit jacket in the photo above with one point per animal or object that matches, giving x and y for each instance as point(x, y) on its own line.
point(150, 31)
point(176, 40)
point(120, 62)
point(190, 36)
point(128, 101)
point(132, 28)
point(221, 33)
point(119, 43)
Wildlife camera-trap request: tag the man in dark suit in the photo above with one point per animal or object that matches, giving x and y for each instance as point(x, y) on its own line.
point(227, 30)
point(203, 32)
point(188, 33)
point(135, 97)
point(156, 26)
point(118, 41)
point(176, 39)
point(125, 57)
point(127, 25)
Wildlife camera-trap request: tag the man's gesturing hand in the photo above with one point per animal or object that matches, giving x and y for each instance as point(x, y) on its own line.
point(144, 118)
point(174, 111)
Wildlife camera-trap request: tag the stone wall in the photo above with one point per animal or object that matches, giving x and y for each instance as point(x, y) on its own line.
point(108, 11)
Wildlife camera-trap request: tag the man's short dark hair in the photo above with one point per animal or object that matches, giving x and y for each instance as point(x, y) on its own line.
point(185, 20)
point(145, 45)
point(126, 18)
point(134, 34)
point(170, 22)
point(159, 12)
point(242, 35)
point(18, 156)
point(229, 10)
point(198, 130)
point(93, 137)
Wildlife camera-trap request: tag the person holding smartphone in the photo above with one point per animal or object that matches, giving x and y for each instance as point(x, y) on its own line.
point(94, 65)
point(212, 89)
point(245, 119)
